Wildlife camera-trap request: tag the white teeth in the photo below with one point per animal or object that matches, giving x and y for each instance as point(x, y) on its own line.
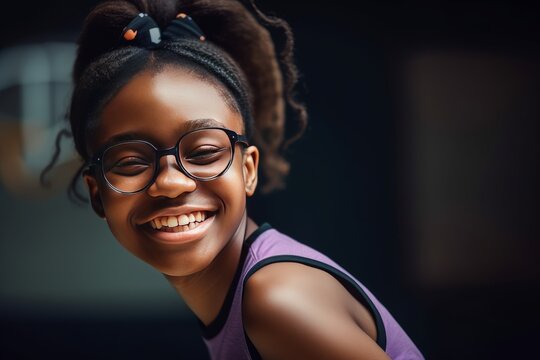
point(183, 220)
point(172, 221)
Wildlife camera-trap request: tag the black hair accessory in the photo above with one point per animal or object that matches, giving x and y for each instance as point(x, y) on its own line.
point(183, 26)
point(143, 31)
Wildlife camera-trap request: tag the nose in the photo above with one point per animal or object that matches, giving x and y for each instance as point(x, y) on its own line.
point(170, 181)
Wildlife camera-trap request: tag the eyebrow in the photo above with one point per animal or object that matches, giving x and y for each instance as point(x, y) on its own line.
point(189, 125)
point(201, 123)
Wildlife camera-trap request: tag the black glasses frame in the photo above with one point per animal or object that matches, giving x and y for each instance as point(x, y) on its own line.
point(97, 159)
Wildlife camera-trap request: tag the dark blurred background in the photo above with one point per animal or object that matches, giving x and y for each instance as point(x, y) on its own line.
point(416, 173)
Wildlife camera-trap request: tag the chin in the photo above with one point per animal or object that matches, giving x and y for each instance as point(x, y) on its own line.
point(184, 265)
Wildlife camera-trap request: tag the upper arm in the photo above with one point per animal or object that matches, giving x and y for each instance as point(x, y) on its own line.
point(293, 311)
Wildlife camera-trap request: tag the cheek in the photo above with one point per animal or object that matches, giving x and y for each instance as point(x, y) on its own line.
point(117, 211)
point(232, 182)
point(231, 191)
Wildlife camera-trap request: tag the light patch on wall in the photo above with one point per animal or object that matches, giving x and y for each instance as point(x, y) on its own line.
point(35, 87)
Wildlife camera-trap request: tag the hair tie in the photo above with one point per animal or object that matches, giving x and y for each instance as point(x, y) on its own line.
point(144, 32)
point(183, 26)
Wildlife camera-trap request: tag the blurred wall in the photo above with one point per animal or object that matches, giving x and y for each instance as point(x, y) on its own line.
point(417, 173)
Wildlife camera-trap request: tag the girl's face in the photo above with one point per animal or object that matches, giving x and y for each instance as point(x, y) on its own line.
point(159, 108)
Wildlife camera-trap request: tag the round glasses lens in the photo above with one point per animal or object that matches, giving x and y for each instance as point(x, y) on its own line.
point(129, 166)
point(205, 153)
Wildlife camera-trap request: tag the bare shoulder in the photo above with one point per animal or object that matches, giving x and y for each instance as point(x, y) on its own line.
point(293, 311)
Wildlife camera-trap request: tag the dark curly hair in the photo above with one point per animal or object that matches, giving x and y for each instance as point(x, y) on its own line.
point(239, 58)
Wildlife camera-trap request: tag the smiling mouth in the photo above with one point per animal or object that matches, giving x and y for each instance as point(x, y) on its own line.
point(181, 223)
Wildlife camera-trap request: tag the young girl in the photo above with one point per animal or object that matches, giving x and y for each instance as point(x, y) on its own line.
point(175, 105)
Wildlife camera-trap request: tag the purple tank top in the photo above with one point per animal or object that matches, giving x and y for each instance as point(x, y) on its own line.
point(225, 337)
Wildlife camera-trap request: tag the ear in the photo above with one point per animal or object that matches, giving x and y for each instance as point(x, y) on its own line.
point(249, 169)
point(93, 190)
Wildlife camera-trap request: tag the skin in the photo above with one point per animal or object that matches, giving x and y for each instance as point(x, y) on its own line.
point(294, 311)
point(157, 107)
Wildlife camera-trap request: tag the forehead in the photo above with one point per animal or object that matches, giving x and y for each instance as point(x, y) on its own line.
point(159, 107)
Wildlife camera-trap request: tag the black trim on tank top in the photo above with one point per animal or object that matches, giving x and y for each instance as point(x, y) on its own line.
point(345, 280)
point(217, 324)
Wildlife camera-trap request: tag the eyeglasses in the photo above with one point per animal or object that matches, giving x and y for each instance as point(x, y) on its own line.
point(202, 154)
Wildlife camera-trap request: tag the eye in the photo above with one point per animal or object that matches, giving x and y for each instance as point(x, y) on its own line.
point(206, 154)
point(130, 166)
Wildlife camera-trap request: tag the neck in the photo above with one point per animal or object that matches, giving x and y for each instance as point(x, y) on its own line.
point(205, 291)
